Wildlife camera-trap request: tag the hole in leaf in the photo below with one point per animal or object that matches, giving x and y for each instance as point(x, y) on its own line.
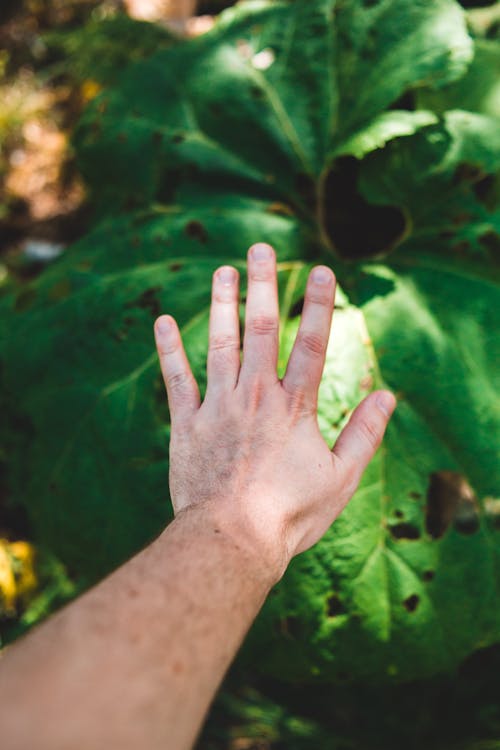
point(404, 531)
point(406, 101)
point(335, 606)
point(411, 603)
point(428, 575)
point(296, 308)
point(484, 189)
point(476, 3)
point(399, 514)
point(450, 500)
point(355, 227)
point(196, 231)
point(465, 172)
point(148, 300)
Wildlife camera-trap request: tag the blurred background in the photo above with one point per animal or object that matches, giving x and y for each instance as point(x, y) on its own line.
point(55, 57)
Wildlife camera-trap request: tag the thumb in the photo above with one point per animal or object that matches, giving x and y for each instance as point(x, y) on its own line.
point(362, 435)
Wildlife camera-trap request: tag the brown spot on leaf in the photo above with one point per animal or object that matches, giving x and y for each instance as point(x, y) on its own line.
point(280, 209)
point(366, 383)
point(404, 530)
point(148, 300)
point(257, 92)
point(175, 267)
point(428, 575)
point(196, 231)
point(450, 500)
point(411, 603)
point(467, 172)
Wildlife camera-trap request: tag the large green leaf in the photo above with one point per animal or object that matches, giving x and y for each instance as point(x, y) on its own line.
point(276, 126)
point(265, 97)
point(422, 598)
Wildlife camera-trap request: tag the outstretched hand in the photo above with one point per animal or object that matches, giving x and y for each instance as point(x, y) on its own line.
point(252, 454)
point(136, 661)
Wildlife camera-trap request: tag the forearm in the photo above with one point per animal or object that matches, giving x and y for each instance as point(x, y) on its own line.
point(136, 661)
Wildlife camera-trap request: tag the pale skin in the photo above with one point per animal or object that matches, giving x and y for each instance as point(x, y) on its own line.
point(135, 662)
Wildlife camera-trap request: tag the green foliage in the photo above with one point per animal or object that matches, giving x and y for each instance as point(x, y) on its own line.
point(289, 123)
point(101, 49)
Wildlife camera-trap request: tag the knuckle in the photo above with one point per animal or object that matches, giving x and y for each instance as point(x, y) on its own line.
point(320, 298)
point(370, 432)
point(223, 341)
point(261, 272)
point(312, 343)
point(300, 403)
point(168, 349)
point(255, 393)
point(224, 295)
point(177, 381)
point(262, 325)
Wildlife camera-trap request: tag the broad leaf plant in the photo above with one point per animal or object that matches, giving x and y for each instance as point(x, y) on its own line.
point(359, 133)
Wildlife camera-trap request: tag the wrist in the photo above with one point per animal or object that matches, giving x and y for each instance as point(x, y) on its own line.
point(262, 552)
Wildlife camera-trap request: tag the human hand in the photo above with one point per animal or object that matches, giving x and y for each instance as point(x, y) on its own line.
point(251, 454)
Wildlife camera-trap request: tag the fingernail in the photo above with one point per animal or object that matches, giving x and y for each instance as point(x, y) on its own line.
point(321, 275)
point(386, 402)
point(226, 275)
point(163, 326)
point(261, 251)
